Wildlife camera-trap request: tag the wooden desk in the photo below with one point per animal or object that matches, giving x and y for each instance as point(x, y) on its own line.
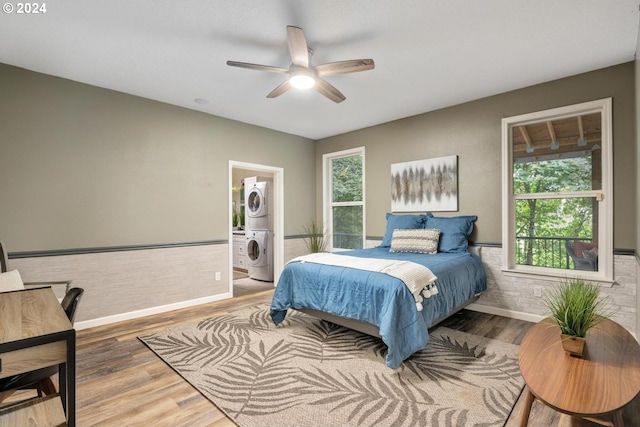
point(601, 383)
point(35, 333)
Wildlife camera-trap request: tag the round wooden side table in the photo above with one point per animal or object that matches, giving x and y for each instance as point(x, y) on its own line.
point(600, 383)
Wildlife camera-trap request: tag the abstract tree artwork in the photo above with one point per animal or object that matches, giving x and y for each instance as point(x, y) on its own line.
point(425, 185)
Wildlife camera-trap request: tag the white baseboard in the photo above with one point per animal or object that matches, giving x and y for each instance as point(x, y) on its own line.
point(535, 318)
point(85, 324)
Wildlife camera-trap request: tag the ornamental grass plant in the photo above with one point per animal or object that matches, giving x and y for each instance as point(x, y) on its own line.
point(576, 306)
point(315, 238)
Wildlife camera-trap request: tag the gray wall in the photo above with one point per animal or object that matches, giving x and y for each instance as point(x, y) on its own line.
point(84, 167)
point(473, 132)
point(87, 167)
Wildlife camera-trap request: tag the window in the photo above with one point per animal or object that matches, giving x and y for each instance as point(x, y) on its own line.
point(557, 192)
point(343, 178)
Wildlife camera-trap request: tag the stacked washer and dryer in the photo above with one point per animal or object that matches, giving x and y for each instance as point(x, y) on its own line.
point(259, 227)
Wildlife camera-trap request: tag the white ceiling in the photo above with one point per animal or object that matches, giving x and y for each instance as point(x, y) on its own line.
point(429, 54)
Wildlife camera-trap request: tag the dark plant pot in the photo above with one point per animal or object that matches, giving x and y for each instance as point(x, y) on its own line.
point(573, 345)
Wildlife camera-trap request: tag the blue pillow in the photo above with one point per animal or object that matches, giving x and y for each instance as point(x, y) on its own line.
point(454, 231)
point(402, 222)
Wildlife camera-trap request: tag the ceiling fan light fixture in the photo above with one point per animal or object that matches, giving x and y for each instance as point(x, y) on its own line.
point(302, 80)
point(302, 75)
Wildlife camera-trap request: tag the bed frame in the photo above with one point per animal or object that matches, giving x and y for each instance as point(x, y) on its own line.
point(371, 329)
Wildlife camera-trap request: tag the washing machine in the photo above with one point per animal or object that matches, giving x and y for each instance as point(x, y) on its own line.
point(257, 209)
point(259, 254)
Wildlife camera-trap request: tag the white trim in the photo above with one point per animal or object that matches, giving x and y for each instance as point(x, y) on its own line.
point(508, 214)
point(605, 208)
point(555, 274)
point(520, 315)
point(327, 203)
point(278, 216)
point(571, 195)
point(100, 321)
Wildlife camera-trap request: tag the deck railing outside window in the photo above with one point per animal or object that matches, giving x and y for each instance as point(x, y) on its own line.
point(545, 251)
point(347, 241)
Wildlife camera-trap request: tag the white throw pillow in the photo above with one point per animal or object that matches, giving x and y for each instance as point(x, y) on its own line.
point(421, 240)
point(10, 281)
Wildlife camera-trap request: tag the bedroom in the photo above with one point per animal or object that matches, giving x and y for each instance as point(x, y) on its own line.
point(101, 169)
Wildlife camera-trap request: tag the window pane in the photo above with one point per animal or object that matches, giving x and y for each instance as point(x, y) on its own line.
point(347, 179)
point(557, 233)
point(558, 156)
point(347, 227)
point(553, 176)
point(558, 166)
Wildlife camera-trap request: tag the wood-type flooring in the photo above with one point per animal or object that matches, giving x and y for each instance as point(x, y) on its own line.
point(120, 382)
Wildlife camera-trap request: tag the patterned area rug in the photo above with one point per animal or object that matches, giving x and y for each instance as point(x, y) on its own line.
point(308, 372)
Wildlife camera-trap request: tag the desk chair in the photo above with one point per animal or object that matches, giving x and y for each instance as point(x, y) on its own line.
point(40, 379)
point(4, 267)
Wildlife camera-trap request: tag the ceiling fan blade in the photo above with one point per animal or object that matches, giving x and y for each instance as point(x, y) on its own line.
point(280, 90)
point(258, 67)
point(329, 91)
point(344, 67)
point(297, 46)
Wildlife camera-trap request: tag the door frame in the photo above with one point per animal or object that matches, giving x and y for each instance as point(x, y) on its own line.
point(278, 215)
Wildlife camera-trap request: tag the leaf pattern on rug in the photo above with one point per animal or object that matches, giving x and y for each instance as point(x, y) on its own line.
point(325, 341)
point(374, 344)
point(448, 417)
point(305, 370)
point(248, 386)
point(210, 349)
point(498, 401)
point(374, 399)
point(443, 361)
point(229, 323)
point(446, 359)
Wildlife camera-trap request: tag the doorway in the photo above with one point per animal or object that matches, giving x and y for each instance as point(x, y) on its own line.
point(240, 282)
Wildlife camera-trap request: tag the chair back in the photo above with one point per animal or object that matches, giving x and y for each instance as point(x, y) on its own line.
point(70, 302)
point(4, 259)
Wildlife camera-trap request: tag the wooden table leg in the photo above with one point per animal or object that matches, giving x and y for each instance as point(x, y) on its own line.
point(526, 408)
point(617, 419)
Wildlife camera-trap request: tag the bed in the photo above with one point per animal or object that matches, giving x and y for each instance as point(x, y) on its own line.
point(381, 304)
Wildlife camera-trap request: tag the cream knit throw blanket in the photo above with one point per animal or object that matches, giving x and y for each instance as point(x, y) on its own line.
point(419, 279)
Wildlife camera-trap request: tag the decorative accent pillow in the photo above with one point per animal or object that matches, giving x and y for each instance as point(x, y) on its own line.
point(11, 281)
point(454, 231)
point(591, 254)
point(401, 222)
point(579, 247)
point(422, 241)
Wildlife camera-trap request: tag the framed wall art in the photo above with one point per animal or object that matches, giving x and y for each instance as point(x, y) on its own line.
point(425, 185)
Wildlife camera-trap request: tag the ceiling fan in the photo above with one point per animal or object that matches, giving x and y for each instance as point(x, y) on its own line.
point(302, 74)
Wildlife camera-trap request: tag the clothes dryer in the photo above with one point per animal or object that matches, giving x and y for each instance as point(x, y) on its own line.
point(257, 200)
point(259, 254)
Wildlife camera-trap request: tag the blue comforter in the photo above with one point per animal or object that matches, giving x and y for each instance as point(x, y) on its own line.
point(380, 299)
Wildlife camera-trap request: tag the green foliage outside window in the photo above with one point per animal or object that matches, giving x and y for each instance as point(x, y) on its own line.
point(347, 186)
point(347, 179)
point(543, 225)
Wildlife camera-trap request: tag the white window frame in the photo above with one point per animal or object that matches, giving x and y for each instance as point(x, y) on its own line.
point(604, 196)
point(327, 198)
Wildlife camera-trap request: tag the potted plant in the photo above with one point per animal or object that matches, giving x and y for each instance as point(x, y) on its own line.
point(576, 307)
point(235, 219)
point(315, 239)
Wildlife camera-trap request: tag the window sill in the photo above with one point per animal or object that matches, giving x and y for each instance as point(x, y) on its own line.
point(555, 275)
